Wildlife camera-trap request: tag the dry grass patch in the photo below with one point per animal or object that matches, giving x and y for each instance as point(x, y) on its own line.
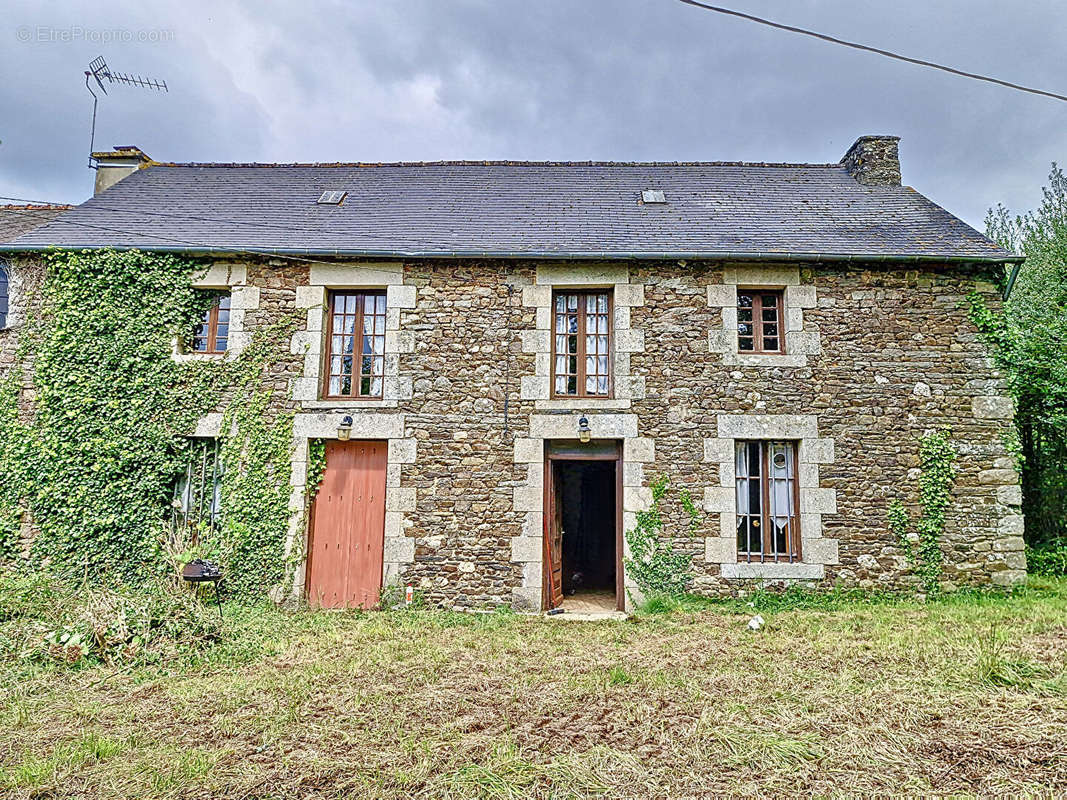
point(962, 696)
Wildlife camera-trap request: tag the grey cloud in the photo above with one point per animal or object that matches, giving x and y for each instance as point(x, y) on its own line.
point(557, 79)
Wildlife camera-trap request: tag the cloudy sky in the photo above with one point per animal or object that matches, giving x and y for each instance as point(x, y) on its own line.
point(388, 80)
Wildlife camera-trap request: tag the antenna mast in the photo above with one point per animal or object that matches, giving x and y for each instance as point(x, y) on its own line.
point(99, 71)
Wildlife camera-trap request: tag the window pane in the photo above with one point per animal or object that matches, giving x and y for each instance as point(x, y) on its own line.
point(602, 365)
point(369, 301)
point(572, 302)
point(346, 385)
point(561, 383)
point(744, 315)
point(744, 301)
point(770, 315)
point(769, 300)
point(380, 309)
point(770, 330)
point(561, 303)
point(376, 387)
point(745, 344)
point(561, 344)
point(561, 365)
point(351, 303)
point(572, 385)
point(379, 326)
point(3, 295)
point(770, 344)
point(335, 365)
point(347, 344)
point(364, 386)
point(602, 385)
point(335, 385)
point(590, 385)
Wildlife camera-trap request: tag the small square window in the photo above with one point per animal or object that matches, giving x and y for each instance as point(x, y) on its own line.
point(760, 317)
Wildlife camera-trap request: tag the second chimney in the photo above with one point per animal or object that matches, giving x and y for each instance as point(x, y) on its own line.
point(114, 165)
point(874, 161)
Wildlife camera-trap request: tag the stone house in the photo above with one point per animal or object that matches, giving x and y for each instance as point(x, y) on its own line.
point(505, 356)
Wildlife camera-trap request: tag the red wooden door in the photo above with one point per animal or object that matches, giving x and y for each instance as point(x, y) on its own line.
point(348, 527)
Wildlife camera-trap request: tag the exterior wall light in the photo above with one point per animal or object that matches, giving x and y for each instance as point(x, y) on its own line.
point(584, 434)
point(344, 430)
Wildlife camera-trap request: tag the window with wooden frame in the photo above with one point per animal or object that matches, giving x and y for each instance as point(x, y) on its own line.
point(581, 344)
point(760, 318)
point(355, 345)
point(768, 526)
point(212, 333)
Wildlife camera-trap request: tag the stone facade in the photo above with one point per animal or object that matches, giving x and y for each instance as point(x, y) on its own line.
point(874, 359)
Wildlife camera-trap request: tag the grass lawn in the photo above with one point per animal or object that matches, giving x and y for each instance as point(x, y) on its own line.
point(966, 695)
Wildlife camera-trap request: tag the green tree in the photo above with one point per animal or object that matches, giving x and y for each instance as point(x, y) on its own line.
point(1030, 343)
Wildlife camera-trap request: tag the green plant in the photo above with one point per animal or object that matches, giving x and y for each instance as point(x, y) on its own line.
point(1049, 558)
point(654, 565)
point(93, 463)
point(937, 476)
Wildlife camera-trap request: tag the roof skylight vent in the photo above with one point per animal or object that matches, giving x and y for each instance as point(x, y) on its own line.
point(653, 196)
point(331, 198)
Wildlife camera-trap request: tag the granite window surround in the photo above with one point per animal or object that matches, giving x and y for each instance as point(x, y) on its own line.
point(232, 278)
point(815, 502)
point(801, 340)
point(311, 341)
point(624, 339)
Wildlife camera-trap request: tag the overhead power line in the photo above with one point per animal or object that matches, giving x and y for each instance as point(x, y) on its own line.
point(867, 48)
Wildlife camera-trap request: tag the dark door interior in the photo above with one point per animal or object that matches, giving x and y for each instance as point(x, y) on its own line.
point(586, 503)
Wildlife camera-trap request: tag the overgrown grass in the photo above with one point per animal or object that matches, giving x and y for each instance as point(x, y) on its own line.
point(837, 694)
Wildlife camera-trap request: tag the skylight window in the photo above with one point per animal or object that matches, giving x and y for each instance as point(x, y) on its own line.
point(332, 198)
point(653, 196)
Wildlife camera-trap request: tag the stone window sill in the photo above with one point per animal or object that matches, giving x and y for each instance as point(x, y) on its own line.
point(349, 404)
point(774, 571)
point(579, 403)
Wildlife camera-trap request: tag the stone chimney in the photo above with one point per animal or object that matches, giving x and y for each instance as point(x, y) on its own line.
point(873, 161)
point(114, 165)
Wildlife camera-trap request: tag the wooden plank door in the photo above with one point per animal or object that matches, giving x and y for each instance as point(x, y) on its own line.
point(553, 568)
point(348, 527)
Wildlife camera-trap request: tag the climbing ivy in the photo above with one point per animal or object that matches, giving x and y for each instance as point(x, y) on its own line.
point(655, 566)
point(937, 476)
point(95, 461)
point(316, 467)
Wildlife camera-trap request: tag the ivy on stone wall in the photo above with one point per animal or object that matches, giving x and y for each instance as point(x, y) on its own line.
point(937, 476)
point(95, 461)
point(654, 565)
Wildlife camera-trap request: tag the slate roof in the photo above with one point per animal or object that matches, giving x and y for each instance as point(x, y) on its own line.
point(17, 220)
point(518, 209)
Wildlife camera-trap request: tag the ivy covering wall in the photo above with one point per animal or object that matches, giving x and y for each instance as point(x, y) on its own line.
point(92, 463)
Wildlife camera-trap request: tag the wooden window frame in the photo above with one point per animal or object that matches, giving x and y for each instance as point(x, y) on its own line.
point(758, 323)
point(213, 328)
point(768, 552)
point(357, 351)
point(581, 375)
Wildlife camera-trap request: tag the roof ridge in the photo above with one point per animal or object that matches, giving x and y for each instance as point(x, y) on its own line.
point(36, 207)
point(491, 163)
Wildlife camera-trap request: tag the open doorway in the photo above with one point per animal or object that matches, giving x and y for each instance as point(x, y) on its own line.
point(583, 564)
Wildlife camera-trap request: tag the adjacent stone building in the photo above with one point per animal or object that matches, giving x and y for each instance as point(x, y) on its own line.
point(505, 357)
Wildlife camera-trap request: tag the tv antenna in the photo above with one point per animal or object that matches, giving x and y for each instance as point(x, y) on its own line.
point(100, 72)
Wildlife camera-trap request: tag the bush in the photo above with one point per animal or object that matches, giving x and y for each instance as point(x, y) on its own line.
point(45, 619)
point(1048, 559)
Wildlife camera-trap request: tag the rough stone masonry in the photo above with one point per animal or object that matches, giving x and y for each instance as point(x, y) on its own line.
point(877, 354)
